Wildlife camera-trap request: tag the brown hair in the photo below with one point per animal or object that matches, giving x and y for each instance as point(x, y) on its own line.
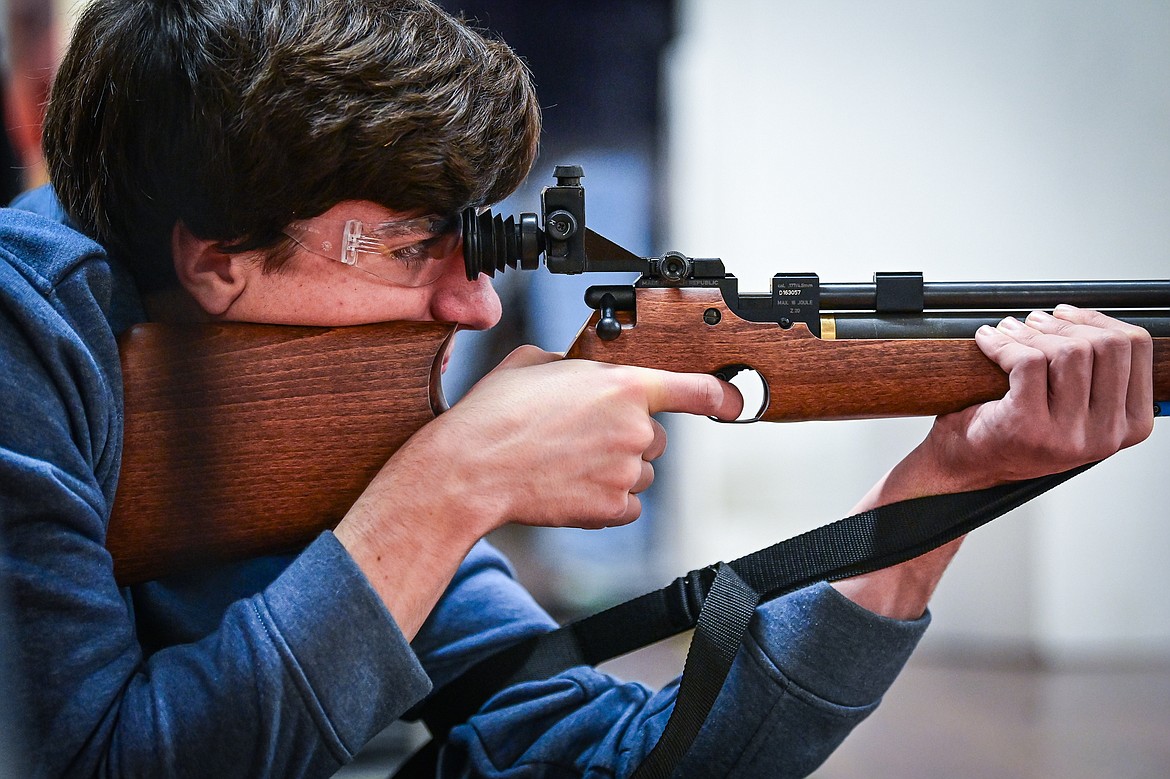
point(239, 116)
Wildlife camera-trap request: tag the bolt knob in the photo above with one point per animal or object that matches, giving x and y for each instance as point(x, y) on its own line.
point(608, 328)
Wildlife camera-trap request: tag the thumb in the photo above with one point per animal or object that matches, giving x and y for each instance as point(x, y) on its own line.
point(526, 356)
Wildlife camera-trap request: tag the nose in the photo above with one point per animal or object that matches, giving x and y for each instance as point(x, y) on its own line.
point(473, 304)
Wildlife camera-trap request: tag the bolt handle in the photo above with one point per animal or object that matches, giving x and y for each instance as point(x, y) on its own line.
point(607, 300)
point(608, 328)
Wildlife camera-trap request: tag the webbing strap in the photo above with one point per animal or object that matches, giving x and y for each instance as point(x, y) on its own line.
point(722, 624)
point(858, 544)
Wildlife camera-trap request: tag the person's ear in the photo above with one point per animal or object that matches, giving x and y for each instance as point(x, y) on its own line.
point(212, 277)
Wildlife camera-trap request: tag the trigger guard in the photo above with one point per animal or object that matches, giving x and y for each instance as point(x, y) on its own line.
point(729, 373)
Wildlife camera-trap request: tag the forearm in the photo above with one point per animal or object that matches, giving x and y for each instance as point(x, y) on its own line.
point(903, 591)
point(409, 568)
point(412, 527)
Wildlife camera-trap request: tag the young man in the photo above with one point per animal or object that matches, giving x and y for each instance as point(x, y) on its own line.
point(203, 152)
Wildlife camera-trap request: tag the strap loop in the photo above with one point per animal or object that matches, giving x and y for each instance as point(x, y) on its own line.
point(686, 602)
point(723, 622)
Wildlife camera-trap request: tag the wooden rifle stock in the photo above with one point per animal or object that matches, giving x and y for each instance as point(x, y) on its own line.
point(243, 440)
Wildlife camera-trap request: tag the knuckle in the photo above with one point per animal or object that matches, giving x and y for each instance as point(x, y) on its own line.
point(614, 506)
point(525, 352)
point(1115, 341)
point(1052, 325)
point(1073, 351)
point(1090, 317)
point(629, 474)
point(1138, 430)
point(1085, 445)
point(634, 436)
point(1032, 360)
point(625, 385)
point(644, 433)
point(1100, 446)
point(706, 391)
point(632, 379)
point(1139, 338)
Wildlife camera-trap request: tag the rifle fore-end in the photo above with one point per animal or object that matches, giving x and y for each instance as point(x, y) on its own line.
point(242, 440)
point(809, 378)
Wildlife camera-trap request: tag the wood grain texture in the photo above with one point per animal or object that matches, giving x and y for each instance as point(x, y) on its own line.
point(810, 378)
point(251, 439)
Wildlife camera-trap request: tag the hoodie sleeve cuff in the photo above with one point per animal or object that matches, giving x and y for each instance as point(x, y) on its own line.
point(341, 645)
point(834, 649)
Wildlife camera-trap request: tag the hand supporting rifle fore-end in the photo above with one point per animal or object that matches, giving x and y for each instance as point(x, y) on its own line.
point(1079, 390)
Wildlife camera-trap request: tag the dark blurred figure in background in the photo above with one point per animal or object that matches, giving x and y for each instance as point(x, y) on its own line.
point(11, 169)
point(31, 54)
point(597, 71)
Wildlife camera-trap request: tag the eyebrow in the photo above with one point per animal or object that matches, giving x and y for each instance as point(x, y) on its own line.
point(435, 226)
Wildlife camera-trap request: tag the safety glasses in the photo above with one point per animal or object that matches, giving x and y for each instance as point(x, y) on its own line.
point(406, 252)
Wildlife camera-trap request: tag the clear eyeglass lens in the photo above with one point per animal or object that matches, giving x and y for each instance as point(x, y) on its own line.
point(380, 248)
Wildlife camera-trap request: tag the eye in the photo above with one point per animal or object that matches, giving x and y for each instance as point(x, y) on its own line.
point(412, 254)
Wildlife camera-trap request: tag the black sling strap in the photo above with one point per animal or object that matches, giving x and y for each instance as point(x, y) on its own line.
point(718, 601)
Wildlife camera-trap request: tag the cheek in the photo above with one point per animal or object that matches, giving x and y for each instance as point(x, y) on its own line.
point(327, 296)
point(378, 302)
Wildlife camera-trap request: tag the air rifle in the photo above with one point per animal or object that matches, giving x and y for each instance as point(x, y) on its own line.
point(243, 440)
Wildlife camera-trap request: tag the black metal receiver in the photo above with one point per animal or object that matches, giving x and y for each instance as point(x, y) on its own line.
point(894, 306)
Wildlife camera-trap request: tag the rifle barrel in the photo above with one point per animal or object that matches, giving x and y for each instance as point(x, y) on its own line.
point(957, 324)
point(1008, 295)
